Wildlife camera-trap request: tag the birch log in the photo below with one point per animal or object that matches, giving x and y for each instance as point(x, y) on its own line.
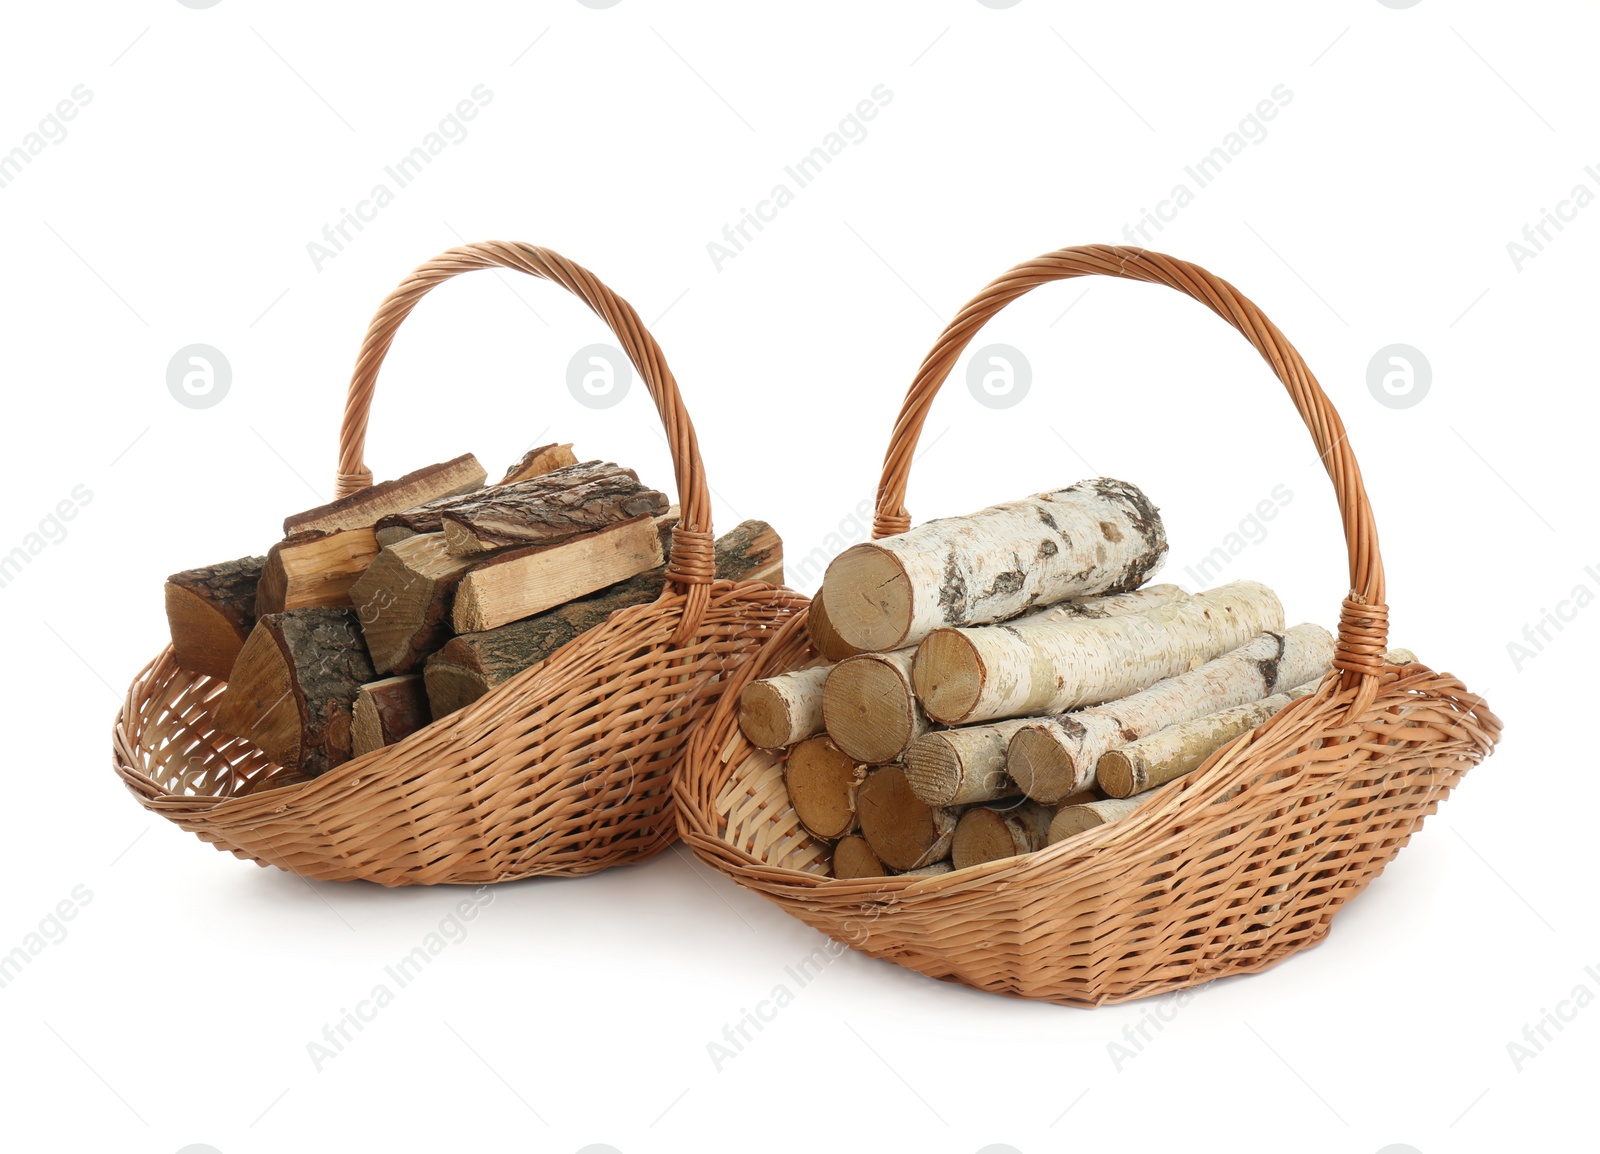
point(868, 706)
point(905, 833)
point(1053, 757)
point(1074, 819)
point(1053, 662)
point(991, 833)
point(823, 782)
point(779, 711)
point(1100, 536)
point(853, 858)
point(1175, 750)
point(960, 766)
point(1169, 753)
point(825, 638)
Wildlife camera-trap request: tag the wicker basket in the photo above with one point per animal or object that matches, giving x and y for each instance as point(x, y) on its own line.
point(564, 769)
point(1241, 864)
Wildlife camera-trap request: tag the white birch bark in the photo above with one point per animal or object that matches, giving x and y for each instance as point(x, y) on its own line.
point(1054, 757)
point(778, 711)
point(1050, 663)
point(1100, 536)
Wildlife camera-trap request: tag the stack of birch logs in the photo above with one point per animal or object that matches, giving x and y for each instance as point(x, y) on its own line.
point(411, 599)
point(999, 682)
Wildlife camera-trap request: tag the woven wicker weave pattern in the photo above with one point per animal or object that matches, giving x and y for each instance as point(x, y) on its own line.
point(1227, 871)
point(563, 769)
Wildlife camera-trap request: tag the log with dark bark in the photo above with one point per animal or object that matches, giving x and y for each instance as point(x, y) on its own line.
point(294, 687)
point(388, 711)
point(210, 612)
point(547, 510)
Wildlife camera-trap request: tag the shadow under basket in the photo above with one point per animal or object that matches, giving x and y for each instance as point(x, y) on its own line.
point(562, 770)
point(1229, 870)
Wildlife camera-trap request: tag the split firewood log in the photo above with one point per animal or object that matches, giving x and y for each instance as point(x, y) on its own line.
point(1050, 758)
point(470, 665)
point(1052, 661)
point(868, 706)
point(1100, 536)
point(210, 612)
point(518, 583)
point(404, 601)
point(325, 549)
point(388, 711)
point(364, 509)
point(539, 461)
point(293, 689)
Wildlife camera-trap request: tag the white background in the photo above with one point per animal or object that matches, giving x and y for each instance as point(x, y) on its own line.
point(1377, 209)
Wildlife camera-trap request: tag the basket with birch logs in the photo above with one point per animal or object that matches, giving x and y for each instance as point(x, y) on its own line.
point(1229, 870)
point(562, 769)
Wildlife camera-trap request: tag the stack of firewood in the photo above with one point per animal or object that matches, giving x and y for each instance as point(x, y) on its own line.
point(1001, 681)
point(409, 600)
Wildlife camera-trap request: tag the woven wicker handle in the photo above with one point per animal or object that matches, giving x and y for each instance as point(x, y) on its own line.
point(1363, 619)
point(692, 560)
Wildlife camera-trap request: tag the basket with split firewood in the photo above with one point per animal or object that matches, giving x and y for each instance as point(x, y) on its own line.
point(993, 752)
point(436, 679)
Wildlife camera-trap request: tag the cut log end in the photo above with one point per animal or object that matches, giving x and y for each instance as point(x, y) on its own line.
point(822, 782)
point(779, 711)
point(853, 858)
point(1041, 766)
point(989, 834)
point(210, 613)
point(1072, 820)
point(825, 638)
point(1117, 774)
point(869, 709)
point(948, 675)
point(873, 610)
point(386, 712)
point(904, 832)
